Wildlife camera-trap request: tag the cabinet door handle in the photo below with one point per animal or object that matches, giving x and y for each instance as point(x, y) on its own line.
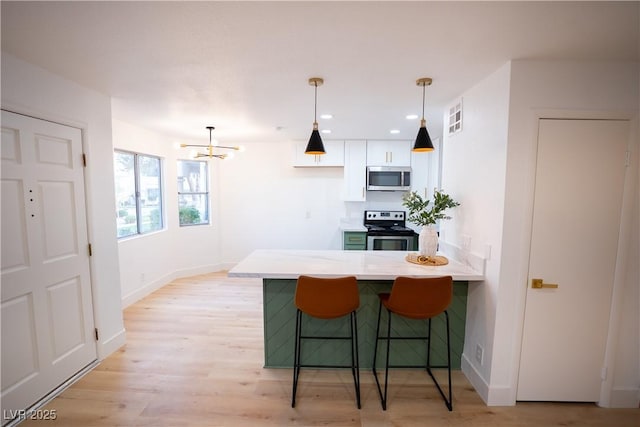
point(363, 192)
point(390, 156)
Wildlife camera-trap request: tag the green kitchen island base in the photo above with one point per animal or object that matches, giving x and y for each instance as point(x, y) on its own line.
point(279, 327)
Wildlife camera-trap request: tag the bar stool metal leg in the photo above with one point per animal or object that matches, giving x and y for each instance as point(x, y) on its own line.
point(383, 395)
point(296, 357)
point(448, 402)
point(383, 398)
point(355, 361)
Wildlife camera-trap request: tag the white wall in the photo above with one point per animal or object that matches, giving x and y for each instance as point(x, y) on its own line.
point(473, 173)
point(265, 203)
point(33, 91)
point(148, 262)
point(496, 308)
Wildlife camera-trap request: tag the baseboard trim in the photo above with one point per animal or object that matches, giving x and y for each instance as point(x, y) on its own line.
point(110, 345)
point(501, 396)
point(624, 397)
point(153, 286)
point(474, 377)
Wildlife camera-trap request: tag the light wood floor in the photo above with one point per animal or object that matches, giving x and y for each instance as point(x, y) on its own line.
point(194, 358)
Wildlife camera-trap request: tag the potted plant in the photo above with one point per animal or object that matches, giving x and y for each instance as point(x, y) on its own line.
point(423, 212)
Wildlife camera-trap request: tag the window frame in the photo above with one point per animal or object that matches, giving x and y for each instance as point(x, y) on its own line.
point(138, 205)
point(206, 193)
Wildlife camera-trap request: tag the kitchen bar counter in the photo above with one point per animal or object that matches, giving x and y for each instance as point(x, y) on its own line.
point(375, 271)
point(365, 265)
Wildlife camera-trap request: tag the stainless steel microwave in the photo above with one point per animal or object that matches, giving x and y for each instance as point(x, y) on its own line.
point(388, 178)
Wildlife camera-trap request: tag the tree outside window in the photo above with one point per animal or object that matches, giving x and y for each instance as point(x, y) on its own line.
point(138, 184)
point(193, 192)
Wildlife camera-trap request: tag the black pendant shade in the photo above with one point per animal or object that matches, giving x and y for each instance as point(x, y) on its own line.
point(423, 141)
point(315, 145)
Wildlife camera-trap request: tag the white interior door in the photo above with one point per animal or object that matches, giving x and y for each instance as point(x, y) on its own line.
point(576, 222)
point(47, 313)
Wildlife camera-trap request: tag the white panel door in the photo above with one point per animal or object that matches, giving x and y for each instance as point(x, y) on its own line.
point(47, 312)
point(576, 224)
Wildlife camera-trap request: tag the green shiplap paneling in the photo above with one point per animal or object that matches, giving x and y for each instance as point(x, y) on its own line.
point(279, 325)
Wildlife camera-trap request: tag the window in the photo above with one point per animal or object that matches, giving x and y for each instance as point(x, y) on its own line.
point(455, 118)
point(193, 192)
point(138, 180)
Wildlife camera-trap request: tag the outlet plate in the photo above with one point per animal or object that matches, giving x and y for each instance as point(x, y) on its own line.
point(479, 353)
point(466, 242)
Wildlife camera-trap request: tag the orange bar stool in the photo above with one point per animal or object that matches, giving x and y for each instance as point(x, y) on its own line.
point(327, 298)
point(415, 298)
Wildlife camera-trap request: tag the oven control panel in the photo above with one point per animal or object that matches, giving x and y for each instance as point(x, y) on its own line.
point(385, 215)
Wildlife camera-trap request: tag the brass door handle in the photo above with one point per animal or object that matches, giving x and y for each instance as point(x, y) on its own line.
point(538, 284)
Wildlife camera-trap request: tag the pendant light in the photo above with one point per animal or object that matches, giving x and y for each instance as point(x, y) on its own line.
point(315, 145)
point(423, 141)
point(210, 154)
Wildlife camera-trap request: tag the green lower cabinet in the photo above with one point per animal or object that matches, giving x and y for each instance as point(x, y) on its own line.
point(354, 241)
point(279, 325)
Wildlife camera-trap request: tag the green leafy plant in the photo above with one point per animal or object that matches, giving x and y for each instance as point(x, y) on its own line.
point(189, 215)
point(423, 212)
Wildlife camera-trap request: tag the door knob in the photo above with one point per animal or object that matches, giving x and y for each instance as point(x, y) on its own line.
point(538, 284)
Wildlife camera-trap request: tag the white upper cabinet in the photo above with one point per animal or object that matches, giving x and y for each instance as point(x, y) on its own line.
point(334, 156)
point(388, 153)
point(355, 175)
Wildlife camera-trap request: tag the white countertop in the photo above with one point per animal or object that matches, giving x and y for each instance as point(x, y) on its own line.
point(365, 265)
point(352, 225)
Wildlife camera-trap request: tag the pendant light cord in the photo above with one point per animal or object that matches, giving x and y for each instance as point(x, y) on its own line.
point(423, 85)
point(315, 102)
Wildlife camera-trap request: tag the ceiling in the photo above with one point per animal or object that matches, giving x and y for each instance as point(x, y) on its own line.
point(243, 67)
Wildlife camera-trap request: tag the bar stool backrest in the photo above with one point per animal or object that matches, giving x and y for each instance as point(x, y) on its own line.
point(327, 298)
point(420, 298)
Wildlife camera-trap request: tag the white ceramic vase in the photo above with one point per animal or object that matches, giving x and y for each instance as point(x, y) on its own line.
point(428, 241)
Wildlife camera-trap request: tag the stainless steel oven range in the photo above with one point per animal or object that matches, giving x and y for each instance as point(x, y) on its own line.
point(386, 231)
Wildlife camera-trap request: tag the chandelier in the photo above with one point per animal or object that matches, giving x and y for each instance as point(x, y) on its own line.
point(211, 147)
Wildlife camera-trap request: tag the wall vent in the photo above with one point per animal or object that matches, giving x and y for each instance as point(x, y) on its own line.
point(455, 118)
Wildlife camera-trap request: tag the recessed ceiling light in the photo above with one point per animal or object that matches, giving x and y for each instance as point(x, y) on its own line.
point(412, 116)
point(326, 116)
point(394, 131)
point(326, 131)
